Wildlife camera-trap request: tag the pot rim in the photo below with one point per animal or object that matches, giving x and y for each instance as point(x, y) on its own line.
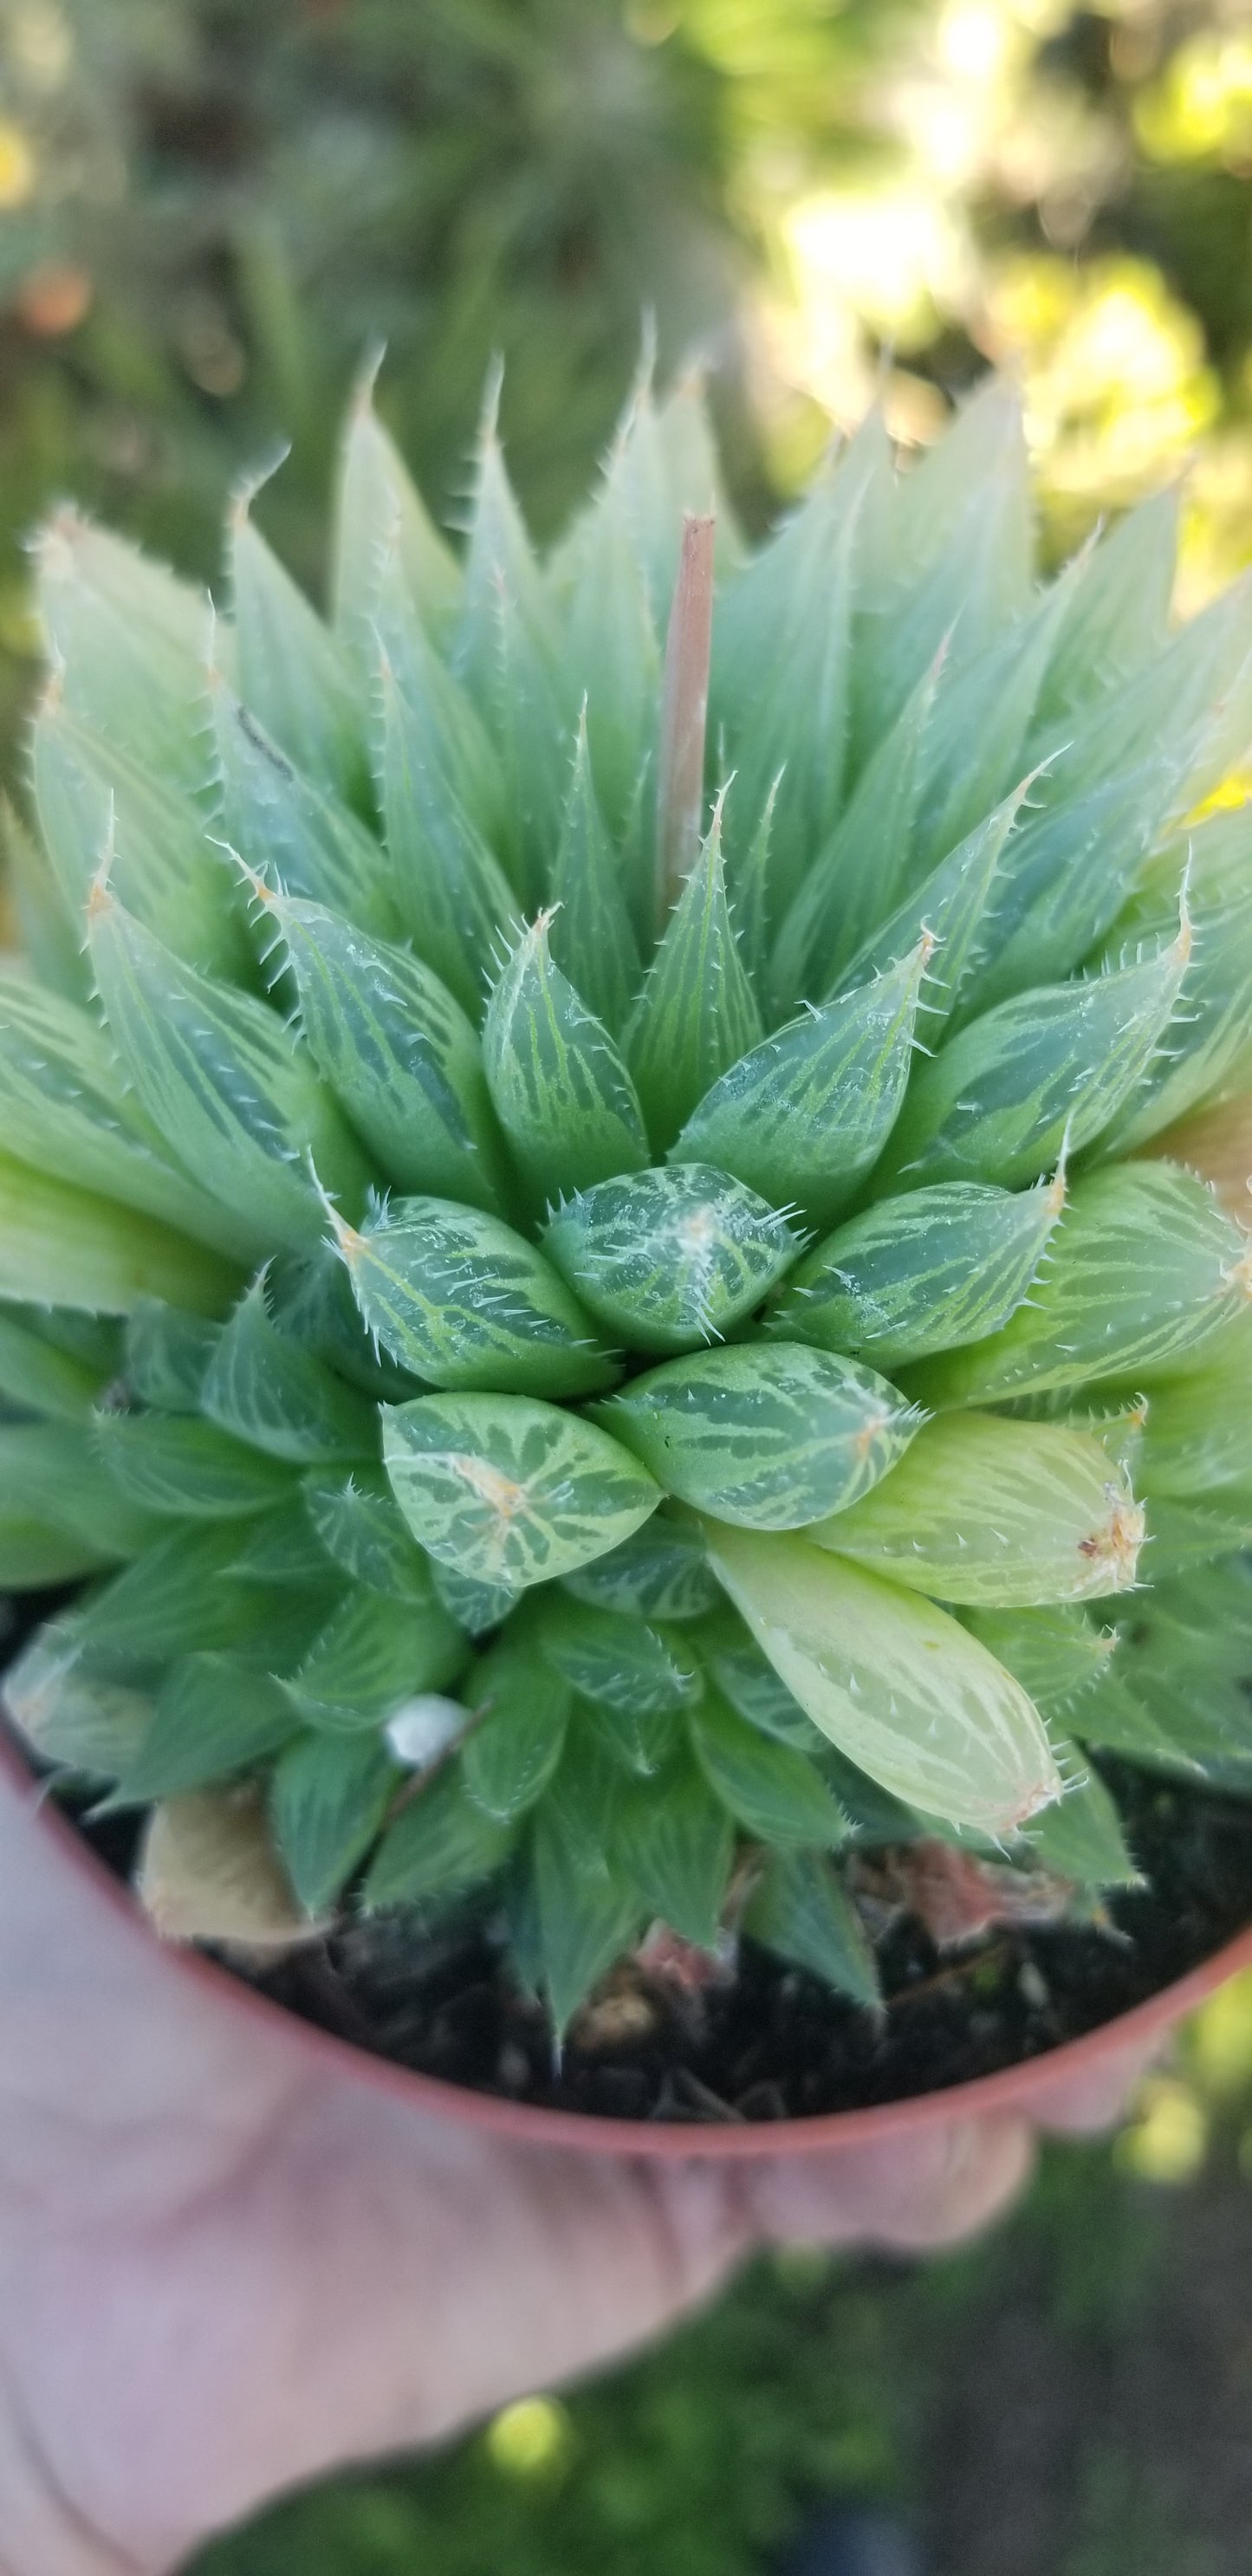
point(1007, 2089)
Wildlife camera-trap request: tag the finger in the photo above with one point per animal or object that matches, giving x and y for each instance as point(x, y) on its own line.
point(1082, 2105)
point(931, 2188)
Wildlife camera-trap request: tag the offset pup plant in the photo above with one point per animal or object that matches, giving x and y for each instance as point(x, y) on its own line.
point(609, 1284)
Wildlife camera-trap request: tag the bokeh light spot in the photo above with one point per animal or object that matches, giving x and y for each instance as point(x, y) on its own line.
point(529, 2439)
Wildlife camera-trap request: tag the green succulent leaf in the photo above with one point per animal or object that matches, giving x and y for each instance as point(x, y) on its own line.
point(983, 715)
point(1187, 1743)
point(52, 1473)
point(639, 1741)
point(261, 1386)
point(1006, 1096)
point(328, 1799)
point(284, 827)
point(446, 737)
point(70, 1713)
point(38, 1378)
point(167, 1354)
point(293, 673)
point(282, 1549)
point(1207, 1049)
point(1197, 1434)
point(697, 1013)
point(55, 1487)
point(47, 926)
point(1081, 1836)
point(362, 1528)
point(439, 1845)
point(234, 1094)
point(1144, 1269)
point(511, 1491)
point(397, 1051)
point(499, 561)
point(895, 1683)
point(782, 675)
point(1191, 707)
point(584, 1921)
point(1182, 1663)
point(64, 1247)
point(766, 1439)
point(750, 893)
point(803, 1117)
point(503, 652)
point(519, 1729)
point(371, 1656)
point(618, 1660)
point(180, 1598)
point(749, 1684)
point(607, 633)
point(129, 643)
point(668, 1259)
point(476, 1607)
point(379, 513)
point(66, 1111)
point(462, 1301)
point(957, 563)
point(592, 938)
point(1056, 1654)
point(801, 1909)
point(213, 1718)
point(676, 1848)
point(35, 1555)
point(584, 1797)
point(771, 1789)
point(951, 910)
point(310, 1297)
point(662, 1572)
point(1117, 613)
point(91, 797)
point(856, 880)
point(933, 1271)
point(190, 1469)
point(997, 1513)
point(560, 1089)
point(453, 897)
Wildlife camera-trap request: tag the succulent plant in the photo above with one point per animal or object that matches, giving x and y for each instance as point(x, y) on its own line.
point(599, 1348)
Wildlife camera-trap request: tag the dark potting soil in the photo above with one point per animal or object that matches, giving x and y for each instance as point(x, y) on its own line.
point(775, 2043)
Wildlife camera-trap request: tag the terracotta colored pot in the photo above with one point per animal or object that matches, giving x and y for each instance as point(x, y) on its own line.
point(1013, 2088)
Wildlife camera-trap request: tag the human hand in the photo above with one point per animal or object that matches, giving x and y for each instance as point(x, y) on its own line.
point(226, 2267)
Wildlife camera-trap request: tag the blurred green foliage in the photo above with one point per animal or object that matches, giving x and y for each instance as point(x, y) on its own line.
point(209, 211)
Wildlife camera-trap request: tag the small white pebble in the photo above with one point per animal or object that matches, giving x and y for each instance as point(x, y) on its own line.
point(423, 1728)
point(1032, 1987)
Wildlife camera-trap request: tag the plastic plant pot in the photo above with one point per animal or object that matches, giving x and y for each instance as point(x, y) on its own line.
point(1015, 2088)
